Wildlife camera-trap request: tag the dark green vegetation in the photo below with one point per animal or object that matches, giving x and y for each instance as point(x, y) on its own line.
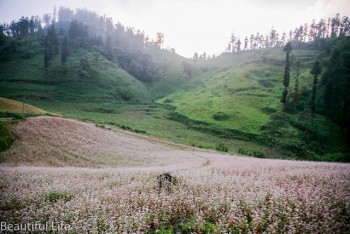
point(6, 138)
point(113, 75)
point(56, 196)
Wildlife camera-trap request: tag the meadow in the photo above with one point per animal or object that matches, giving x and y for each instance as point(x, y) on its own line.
point(104, 181)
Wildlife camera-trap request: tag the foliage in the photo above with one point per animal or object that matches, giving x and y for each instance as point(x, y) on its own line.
point(315, 71)
point(286, 77)
point(187, 67)
point(307, 36)
point(6, 138)
point(56, 196)
point(220, 116)
point(221, 147)
point(336, 84)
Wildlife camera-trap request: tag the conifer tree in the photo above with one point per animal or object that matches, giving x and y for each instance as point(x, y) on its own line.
point(64, 54)
point(288, 48)
point(296, 87)
point(315, 71)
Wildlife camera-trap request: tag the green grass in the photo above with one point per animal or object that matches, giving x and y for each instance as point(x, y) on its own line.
point(249, 85)
point(103, 81)
point(236, 92)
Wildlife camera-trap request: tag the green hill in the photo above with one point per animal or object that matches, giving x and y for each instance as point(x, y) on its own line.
point(99, 81)
point(240, 95)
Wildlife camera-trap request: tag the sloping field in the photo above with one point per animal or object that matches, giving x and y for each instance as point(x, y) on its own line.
point(13, 106)
point(213, 192)
point(50, 141)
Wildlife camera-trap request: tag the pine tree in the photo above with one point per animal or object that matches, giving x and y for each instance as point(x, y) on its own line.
point(296, 87)
point(288, 48)
point(246, 43)
point(64, 54)
point(238, 45)
point(315, 71)
point(47, 50)
point(46, 58)
point(195, 57)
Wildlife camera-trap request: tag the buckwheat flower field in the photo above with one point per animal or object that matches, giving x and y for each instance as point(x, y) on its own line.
point(104, 181)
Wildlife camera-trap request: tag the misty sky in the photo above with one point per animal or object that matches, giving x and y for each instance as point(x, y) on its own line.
point(192, 25)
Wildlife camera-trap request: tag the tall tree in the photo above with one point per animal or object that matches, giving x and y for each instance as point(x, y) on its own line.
point(296, 87)
point(195, 58)
point(315, 71)
point(246, 43)
point(239, 45)
point(160, 40)
point(64, 53)
point(288, 49)
point(47, 19)
point(336, 82)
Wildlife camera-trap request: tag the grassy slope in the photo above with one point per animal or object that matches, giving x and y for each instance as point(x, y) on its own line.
point(8, 105)
point(245, 87)
point(104, 81)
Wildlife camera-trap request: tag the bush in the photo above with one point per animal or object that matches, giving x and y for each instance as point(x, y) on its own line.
point(258, 154)
point(220, 116)
point(15, 116)
point(336, 157)
point(221, 147)
point(6, 138)
point(168, 100)
point(139, 131)
point(55, 196)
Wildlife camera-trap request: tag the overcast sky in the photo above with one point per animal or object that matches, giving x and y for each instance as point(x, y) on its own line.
point(192, 25)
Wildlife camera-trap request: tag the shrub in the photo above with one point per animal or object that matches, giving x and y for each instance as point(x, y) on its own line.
point(139, 131)
point(14, 116)
point(220, 116)
point(258, 154)
point(6, 138)
point(336, 157)
point(168, 100)
point(221, 147)
point(55, 196)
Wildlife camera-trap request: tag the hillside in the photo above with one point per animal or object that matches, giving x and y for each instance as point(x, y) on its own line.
point(105, 180)
point(12, 106)
point(52, 141)
point(87, 77)
point(238, 96)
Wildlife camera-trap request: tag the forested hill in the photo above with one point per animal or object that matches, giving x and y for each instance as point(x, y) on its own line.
point(81, 46)
point(273, 96)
